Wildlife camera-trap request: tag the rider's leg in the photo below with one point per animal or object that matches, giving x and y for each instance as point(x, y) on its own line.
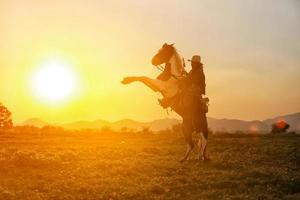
point(203, 147)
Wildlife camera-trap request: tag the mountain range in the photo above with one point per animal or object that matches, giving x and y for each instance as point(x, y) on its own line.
point(230, 125)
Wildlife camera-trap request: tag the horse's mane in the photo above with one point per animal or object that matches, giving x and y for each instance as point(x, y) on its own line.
point(178, 58)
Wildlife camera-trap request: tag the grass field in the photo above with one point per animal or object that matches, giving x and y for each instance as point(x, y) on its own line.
point(87, 165)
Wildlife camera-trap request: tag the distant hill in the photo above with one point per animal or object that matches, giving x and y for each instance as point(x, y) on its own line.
point(254, 126)
point(98, 124)
point(292, 119)
point(230, 125)
point(155, 125)
point(35, 122)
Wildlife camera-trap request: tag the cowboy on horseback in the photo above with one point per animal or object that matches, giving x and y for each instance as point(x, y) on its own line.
point(195, 78)
point(182, 92)
point(193, 86)
point(191, 104)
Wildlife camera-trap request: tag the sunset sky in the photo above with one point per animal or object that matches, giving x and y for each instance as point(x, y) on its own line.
point(250, 50)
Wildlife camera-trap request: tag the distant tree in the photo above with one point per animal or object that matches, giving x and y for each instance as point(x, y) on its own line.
point(177, 130)
point(106, 129)
point(26, 129)
point(146, 130)
point(124, 129)
point(52, 129)
point(280, 127)
point(5, 117)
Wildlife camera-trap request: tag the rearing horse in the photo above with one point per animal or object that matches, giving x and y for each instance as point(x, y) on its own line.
point(167, 83)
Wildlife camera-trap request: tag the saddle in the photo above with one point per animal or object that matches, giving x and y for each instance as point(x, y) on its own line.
point(185, 101)
point(169, 102)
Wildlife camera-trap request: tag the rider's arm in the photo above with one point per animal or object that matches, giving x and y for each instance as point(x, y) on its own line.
point(202, 82)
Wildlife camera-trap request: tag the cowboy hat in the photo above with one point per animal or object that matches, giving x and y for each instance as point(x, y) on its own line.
point(195, 58)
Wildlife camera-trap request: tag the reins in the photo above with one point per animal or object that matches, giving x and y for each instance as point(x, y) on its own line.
point(183, 73)
point(161, 68)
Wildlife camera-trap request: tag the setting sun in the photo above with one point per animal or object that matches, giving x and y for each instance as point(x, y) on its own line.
point(53, 81)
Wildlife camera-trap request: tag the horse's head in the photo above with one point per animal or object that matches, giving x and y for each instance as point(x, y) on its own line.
point(174, 66)
point(163, 55)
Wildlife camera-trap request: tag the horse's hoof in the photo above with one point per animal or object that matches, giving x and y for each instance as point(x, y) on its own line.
point(204, 158)
point(126, 80)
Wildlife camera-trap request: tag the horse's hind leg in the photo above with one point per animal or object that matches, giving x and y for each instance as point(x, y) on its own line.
point(203, 146)
point(202, 129)
point(189, 148)
point(187, 131)
point(199, 144)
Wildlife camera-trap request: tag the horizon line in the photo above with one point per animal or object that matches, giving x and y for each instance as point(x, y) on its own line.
point(20, 122)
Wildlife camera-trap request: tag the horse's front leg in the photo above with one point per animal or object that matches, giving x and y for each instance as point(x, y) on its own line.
point(129, 79)
point(154, 84)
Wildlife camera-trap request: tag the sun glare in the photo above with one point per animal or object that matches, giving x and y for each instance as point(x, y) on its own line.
point(53, 81)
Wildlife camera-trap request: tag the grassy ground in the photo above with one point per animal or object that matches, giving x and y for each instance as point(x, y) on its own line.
point(145, 166)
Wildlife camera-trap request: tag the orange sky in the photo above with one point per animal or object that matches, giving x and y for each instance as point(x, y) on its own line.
point(250, 50)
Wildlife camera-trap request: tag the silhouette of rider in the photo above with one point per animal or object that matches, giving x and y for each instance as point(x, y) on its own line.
point(194, 85)
point(195, 79)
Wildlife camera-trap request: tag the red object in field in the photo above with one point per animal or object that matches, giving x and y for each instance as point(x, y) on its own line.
point(281, 124)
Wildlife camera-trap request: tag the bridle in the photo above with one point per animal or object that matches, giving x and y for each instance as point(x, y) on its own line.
point(162, 69)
